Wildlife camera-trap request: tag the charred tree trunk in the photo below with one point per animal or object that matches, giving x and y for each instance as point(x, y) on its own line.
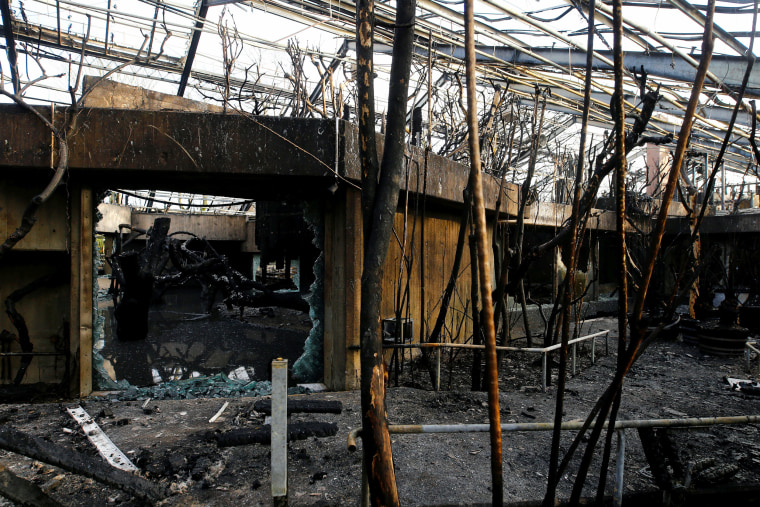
point(23, 492)
point(379, 204)
point(78, 463)
point(139, 273)
point(607, 404)
point(569, 277)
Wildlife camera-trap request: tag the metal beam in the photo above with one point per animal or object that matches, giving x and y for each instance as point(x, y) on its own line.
point(201, 15)
point(153, 28)
point(734, 152)
point(214, 3)
point(730, 68)
point(10, 42)
point(697, 16)
point(41, 36)
point(108, 25)
point(717, 113)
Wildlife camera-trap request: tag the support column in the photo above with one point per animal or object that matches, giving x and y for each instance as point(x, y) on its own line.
point(85, 291)
point(343, 269)
point(74, 243)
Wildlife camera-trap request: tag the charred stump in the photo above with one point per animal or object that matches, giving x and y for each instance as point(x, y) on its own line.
point(138, 273)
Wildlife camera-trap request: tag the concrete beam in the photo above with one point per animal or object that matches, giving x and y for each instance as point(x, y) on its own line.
point(233, 155)
point(545, 214)
point(196, 152)
point(112, 216)
point(112, 94)
point(210, 227)
point(740, 223)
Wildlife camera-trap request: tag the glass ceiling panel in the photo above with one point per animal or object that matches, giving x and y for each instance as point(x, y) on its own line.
point(266, 52)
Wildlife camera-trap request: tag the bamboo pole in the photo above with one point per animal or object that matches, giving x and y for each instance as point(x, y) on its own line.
point(483, 261)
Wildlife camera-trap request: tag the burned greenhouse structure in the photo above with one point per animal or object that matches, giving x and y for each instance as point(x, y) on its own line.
point(418, 252)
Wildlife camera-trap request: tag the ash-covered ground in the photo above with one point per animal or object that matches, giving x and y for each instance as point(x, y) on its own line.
point(172, 441)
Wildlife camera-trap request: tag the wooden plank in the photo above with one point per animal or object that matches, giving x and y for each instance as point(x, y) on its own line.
point(441, 231)
point(43, 310)
point(85, 292)
point(343, 257)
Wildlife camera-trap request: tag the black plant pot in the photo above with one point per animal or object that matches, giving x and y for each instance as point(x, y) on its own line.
point(719, 340)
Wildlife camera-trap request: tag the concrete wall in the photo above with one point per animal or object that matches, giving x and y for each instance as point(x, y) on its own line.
point(113, 216)
point(43, 251)
point(50, 232)
point(249, 245)
point(211, 227)
point(343, 260)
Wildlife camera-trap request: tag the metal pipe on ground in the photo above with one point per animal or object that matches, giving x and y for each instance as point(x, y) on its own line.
point(569, 425)
point(620, 426)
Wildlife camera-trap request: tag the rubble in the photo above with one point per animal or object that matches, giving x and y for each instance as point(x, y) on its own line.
point(214, 386)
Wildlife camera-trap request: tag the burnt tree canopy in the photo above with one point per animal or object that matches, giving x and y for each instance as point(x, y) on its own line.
point(144, 274)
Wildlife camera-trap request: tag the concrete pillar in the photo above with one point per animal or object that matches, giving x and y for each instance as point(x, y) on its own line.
point(85, 290)
point(658, 167)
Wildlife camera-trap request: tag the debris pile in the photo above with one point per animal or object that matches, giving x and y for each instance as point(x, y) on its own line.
point(215, 386)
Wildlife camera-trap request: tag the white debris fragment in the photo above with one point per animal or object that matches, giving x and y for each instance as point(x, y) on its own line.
point(100, 440)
